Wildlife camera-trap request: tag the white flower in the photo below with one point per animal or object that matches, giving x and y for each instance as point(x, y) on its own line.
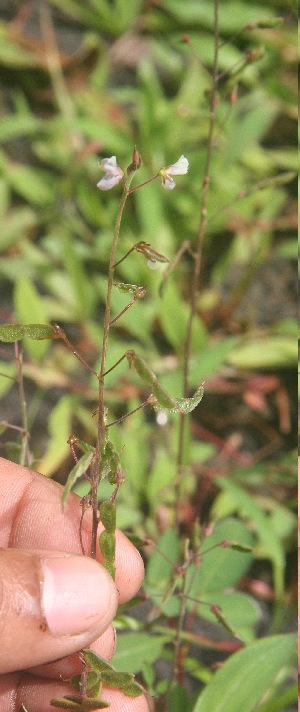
point(176, 169)
point(113, 173)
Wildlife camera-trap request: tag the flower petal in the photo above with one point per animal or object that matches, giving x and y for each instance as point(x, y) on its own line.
point(168, 183)
point(108, 181)
point(179, 168)
point(113, 173)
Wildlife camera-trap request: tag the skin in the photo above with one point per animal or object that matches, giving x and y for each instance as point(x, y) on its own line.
point(35, 662)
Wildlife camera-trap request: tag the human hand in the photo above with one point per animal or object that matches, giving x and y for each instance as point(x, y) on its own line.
point(53, 600)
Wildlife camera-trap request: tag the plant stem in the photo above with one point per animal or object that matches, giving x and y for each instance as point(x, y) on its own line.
point(25, 457)
point(197, 261)
point(101, 413)
point(175, 676)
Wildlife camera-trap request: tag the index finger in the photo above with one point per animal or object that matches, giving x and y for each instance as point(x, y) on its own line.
point(32, 517)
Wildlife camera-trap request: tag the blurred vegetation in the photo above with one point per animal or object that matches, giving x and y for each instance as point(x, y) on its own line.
point(83, 81)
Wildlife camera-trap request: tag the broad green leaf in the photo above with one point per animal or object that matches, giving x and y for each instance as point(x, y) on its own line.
point(34, 185)
point(220, 568)
point(249, 127)
point(78, 470)
point(12, 55)
point(212, 357)
point(59, 427)
point(282, 701)
point(135, 649)
point(267, 352)
point(29, 307)
point(20, 221)
point(179, 700)
point(81, 285)
point(161, 475)
point(162, 562)
point(174, 314)
point(240, 611)
point(233, 15)
point(15, 125)
point(269, 543)
point(7, 376)
point(247, 676)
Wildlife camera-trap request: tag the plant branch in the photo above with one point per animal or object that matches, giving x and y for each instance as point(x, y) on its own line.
point(25, 457)
point(198, 258)
point(101, 412)
point(187, 350)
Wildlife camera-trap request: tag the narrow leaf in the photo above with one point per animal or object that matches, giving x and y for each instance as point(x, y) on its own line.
point(150, 253)
point(130, 288)
point(108, 515)
point(74, 702)
point(78, 470)
point(15, 332)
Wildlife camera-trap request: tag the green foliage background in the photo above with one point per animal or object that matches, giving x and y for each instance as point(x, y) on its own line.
point(82, 81)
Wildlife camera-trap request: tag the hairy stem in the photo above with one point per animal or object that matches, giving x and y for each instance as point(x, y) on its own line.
point(25, 456)
point(198, 261)
point(194, 294)
point(101, 415)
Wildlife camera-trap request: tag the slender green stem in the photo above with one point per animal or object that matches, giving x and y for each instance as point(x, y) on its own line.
point(187, 350)
point(25, 458)
point(141, 185)
point(176, 663)
point(101, 415)
point(198, 260)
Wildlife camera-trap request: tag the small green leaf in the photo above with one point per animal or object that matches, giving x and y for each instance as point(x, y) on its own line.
point(76, 702)
point(95, 662)
point(110, 676)
point(93, 684)
point(113, 678)
point(217, 612)
point(78, 470)
point(107, 543)
point(132, 689)
point(59, 426)
point(161, 398)
point(130, 288)
point(15, 332)
point(152, 256)
point(108, 515)
point(186, 405)
point(236, 546)
point(136, 649)
point(148, 376)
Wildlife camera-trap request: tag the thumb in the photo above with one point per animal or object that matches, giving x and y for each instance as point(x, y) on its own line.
point(51, 605)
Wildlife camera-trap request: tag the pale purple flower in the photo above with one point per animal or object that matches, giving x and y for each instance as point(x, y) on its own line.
point(176, 169)
point(113, 173)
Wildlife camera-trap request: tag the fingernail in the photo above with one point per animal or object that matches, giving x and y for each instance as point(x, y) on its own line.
point(77, 595)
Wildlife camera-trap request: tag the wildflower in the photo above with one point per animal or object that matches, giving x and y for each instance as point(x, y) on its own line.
point(176, 169)
point(113, 173)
